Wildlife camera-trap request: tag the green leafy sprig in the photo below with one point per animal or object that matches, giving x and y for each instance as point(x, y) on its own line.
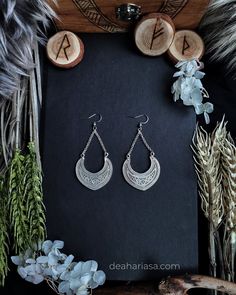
point(16, 203)
point(4, 239)
point(33, 195)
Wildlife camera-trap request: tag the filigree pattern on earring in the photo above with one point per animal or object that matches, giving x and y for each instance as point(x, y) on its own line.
point(141, 181)
point(94, 181)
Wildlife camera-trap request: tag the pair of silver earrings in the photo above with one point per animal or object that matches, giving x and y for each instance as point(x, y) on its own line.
point(140, 181)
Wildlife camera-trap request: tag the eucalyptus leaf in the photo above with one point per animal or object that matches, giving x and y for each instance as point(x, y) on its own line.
point(42, 259)
point(55, 273)
point(37, 279)
point(208, 107)
point(75, 284)
point(30, 260)
point(65, 276)
point(47, 246)
point(196, 96)
point(93, 284)
point(82, 291)
point(47, 272)
point(78, 267)
point(85, 278)
point(52, 259)
point(38, 269)
point(17, 260)
point(22, 272)
point(207, 118)
point(64, 287)
point(99, 277)
point(178, 74)
point(69, 260)
point(58, 244)
point(89, 266)
point(30, 269)
point(61, 268)
point(199, 75)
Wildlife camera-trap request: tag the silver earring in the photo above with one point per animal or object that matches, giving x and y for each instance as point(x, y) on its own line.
point(141, 181)
point(94, 181)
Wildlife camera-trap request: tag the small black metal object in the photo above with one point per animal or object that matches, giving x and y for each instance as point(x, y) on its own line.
point(128, 12)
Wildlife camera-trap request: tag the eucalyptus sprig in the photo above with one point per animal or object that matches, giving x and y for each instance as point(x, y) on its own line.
point(33, 195)
point(16, 203)
point(4, 239)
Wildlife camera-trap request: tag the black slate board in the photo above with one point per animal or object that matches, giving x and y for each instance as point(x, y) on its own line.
point(119, 224)
point(222, 91)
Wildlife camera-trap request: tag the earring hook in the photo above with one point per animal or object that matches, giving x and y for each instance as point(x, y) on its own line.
point(139, 116)
point(98, 121)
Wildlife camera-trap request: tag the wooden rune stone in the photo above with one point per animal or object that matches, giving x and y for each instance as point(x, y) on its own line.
point(154, 34)
point(186, 45)
point(65, 49)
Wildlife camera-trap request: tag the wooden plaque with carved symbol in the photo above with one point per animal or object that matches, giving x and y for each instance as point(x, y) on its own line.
point(154, 34)
point(65, 49)
point(100, 15)
point(186, 45)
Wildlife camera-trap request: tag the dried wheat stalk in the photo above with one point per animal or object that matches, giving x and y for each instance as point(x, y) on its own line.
point(229, 191)
point(207, 159)
point(215, 163)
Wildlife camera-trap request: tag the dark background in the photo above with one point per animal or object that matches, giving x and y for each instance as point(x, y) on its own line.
point(119, 223)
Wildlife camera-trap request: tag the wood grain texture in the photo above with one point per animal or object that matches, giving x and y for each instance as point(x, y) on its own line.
point(171, 286)
point(100, 16)
point(154, 34)
point(65, 49)
point(186, 45)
